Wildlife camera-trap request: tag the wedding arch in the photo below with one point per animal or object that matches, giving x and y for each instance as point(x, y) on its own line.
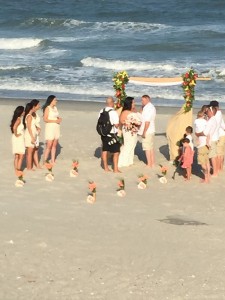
point(178, 122)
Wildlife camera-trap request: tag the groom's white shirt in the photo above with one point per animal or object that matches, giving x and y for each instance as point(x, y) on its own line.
point(148, 115)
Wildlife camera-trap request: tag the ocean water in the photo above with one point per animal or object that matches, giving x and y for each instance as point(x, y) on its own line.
point(73, 48)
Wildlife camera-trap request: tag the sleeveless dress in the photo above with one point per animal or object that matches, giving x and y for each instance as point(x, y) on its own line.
point(187, 158)
point(52, 130)
point(28, 143)
point(18, 145)
point(126, 157)
point(37, 124)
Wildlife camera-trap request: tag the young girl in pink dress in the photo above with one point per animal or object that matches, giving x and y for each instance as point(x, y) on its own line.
point(187, 157)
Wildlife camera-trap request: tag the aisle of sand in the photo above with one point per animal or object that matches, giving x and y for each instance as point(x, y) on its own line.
point(165, 242)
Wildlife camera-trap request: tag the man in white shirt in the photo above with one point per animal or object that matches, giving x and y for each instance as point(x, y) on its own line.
point(221, 135)
point(202, 146)
point(110, 144)
point(212, 131)
point(147, 130)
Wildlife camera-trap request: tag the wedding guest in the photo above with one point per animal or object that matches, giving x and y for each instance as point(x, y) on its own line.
point(200, 124)
point(187, 158)
point(30, 135)
point(130, 123)
point(18, 145)
point(204, 110)
point(212, 131)
point(52, 127)
point(147, 129)
point(188, 135)
point(107, 145)
point(221, 141)
point(36, 106)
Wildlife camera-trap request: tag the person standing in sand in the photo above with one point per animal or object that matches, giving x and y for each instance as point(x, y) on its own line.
point(187, 158)
point(18, 145)
point(221, 142)
point(130, 123)
point(107, 146)
point(147, 129)
point(52, 127)
point(30, 135)
point(36, 106)
point(212, 132)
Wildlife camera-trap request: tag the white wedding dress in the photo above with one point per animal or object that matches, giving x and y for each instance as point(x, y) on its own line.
point(126, 157)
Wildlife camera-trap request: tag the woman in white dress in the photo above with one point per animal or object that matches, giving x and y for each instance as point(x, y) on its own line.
point(129, 123)
point(36, 106)
point(30, 135)
point(18, 145)
point(52, 127)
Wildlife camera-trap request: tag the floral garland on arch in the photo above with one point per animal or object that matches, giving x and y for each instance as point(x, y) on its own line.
point(188, 85)
point(120, 80)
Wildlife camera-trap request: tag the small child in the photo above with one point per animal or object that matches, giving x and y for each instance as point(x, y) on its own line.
point(187, 158)
point(188, 135)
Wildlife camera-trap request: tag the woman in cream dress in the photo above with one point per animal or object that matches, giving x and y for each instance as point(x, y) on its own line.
point(30, 135)
point(52, 127)
point(18, 145)
point(36, 106)
point(128, 118)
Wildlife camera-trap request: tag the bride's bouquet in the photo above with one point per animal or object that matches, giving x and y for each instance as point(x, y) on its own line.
point(132, 123)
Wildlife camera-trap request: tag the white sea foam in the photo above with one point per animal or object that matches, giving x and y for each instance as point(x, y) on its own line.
point(126, 65)
point(18, 43)
point(63, 39)
point(53, 52)
point(75, 23)
point(91, 89)
point(11, 67)
point(129, 26)
point(222, 73)
point(117, 26)
point(28, 85)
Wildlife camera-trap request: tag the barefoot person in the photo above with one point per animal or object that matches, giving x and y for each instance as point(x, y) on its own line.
point(18, 145)
point(30, 135)
point(52, 127)
point(147, 130)
point(187, 158)
point(36, 106)
point(110, 144)
point(221, 142)
point(212, 132)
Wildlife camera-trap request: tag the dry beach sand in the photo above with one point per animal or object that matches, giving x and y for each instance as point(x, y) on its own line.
point(165, 242)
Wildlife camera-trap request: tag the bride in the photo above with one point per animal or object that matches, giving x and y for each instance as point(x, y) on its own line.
point(129, 122)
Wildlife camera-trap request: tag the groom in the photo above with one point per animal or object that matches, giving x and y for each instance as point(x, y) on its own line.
point(147, 130)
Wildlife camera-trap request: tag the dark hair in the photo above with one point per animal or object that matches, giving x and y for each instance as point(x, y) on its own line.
point(128, 103)
point(48, 102)
point(214, 103)
point(28, 108)
point(189, 129)
point(34, 102)
point(185, 140)
point(17, 113)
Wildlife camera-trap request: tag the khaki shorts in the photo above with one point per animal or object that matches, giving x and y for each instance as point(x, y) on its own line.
point(148, 142)
point(221, 146)
point(212, 150)
point(203, 155)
